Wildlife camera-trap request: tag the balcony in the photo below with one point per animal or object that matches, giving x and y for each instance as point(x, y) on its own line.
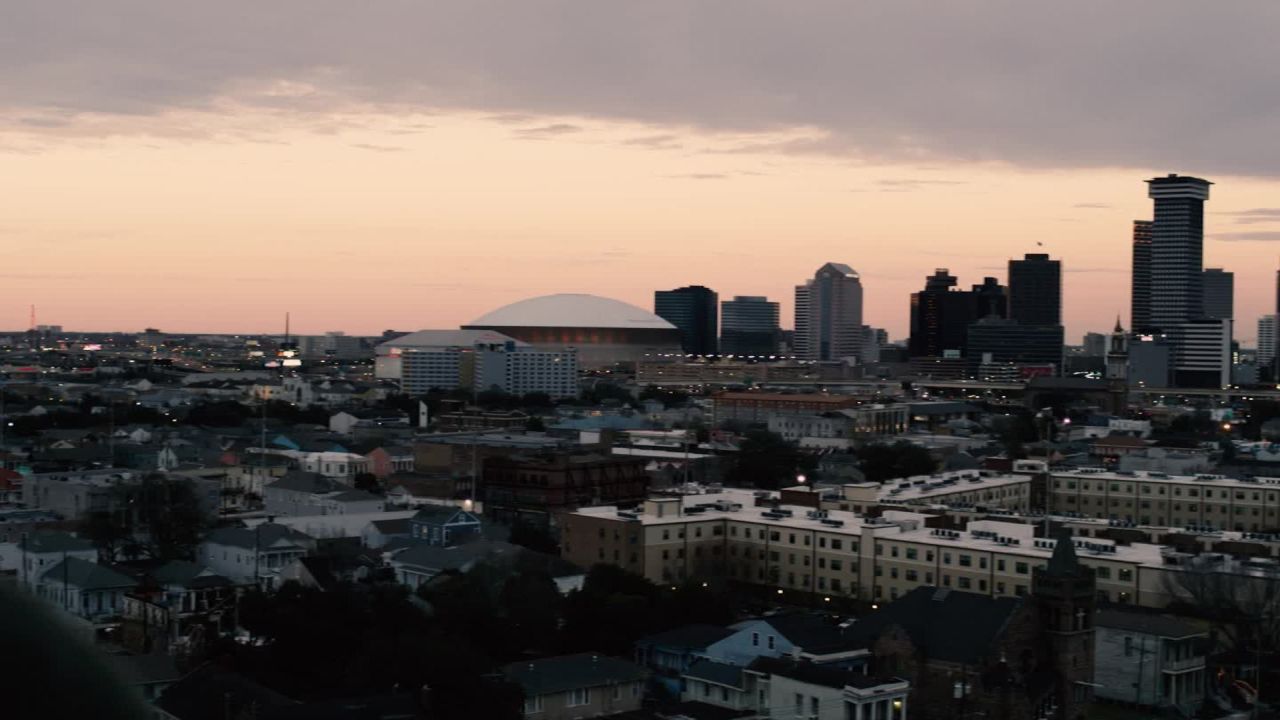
point(1183, 665)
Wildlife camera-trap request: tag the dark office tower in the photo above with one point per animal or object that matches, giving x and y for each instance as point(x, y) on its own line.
point(990, 300)
point(829, 314)
point(1140, 299)
point(1035, 290)
point(1177, 249)
point(748, 326)
point(1219, 294)
point(693, 310)
point(940, 317)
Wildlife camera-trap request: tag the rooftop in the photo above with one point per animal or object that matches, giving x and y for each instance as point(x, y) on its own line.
point(569, 672)
point(571, 310)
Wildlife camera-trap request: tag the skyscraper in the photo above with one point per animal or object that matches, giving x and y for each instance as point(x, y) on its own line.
point(748, 326)
point(1177, 249)
point(829, 314)
point(1219, 293)
point(1035, 290)
point(693, 310)
point(1140, 302)
point(941, 315)
point(1266, 341)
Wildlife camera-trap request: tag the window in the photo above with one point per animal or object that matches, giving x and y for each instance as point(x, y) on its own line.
point(755, 639)
point(837, 544)
point(911, 553)
point(946, 558)
point(1128, 647)
point(1102, 573)
point(1020, 568)
point(963, 582)
point(773, 642)
point(1126, 575)
point(533, 705)
point(966, 561)
point(579, 697)
point(894, 551)
point(799, 704)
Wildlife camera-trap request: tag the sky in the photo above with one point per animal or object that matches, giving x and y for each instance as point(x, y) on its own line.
point(412, 164)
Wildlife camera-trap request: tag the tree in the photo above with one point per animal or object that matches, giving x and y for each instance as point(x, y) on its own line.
point(535, 424)
point(765, 460)
point(158, 517)
point(533, 537)
point(880, 462)
point(368, 482)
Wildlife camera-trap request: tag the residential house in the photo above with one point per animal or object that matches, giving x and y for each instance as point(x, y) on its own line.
point(85, 588)
point(171, 602)
point(585, 685)
point(444, 525)
point(33, 555)
point(789, 688)
point(254, 473)
point(419, 564)
point(1150, 660)
point(388, 460)
point(307, 493)
point(377, 533)
point(253, 555)
point(347, 422)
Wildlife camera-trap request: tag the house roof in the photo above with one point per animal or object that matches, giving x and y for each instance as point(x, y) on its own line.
point(264, 535)
point(457, 557)
point(945, 624)
point(811, 632)
point(303, 481)
point(354, 496)
point(211, 693)
point(443, 514)
point(1166, 626)
point(56, 542)
point(569, 672)
point(87, 575)
point(814, 674)
point(399, 526)
point(688, 637)
point(716, 672)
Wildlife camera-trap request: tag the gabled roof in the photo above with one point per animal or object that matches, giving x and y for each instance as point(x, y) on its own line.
point(715, 672)
point(398, 526)
point(444, 515)
point(309, 482)
point(688, 637)
point(1165, 626)
point(262, 536)
point(945, 624)
point(812, 633)
point(87, 575)
point(814, 674)
point(56, 542)
point(436, 558)
point(570, 672)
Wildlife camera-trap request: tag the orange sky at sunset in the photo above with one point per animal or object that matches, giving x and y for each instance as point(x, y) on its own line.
point(220, 222)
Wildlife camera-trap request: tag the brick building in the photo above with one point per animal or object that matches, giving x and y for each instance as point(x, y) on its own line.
point(535, 488)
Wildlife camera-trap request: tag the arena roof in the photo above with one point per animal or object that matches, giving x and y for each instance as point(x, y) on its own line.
point(570, 310)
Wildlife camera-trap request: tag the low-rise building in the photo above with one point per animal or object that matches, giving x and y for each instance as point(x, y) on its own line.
point(536, 488)
point(585, 685)
point(253, 556)
point(84, 588)
point(1150, 660)
point(309, 493)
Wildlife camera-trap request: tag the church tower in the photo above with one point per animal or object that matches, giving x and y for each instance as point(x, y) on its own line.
point(1065, 592)
point(1118, 355)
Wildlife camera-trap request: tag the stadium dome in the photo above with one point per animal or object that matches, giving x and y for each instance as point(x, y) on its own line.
point(603, 330)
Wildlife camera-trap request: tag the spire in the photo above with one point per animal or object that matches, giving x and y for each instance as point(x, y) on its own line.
point(1064, 562)
point(1118, 329)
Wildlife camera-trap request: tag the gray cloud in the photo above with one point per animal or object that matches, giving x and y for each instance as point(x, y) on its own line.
point(1256, 235)
point(1254, 216)
point(1033, 84)
point(656, 142)
point(379, 148)
point(548, 131)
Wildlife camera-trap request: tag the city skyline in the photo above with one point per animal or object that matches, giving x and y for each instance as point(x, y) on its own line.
point(353, 180)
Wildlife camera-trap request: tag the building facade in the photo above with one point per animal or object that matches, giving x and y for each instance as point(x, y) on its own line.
point(1035, 290)
point(1219, 294)
point(1140, 295)
point(749, 326)
point(693, 310)
point(829, 314)
point(1177, 249)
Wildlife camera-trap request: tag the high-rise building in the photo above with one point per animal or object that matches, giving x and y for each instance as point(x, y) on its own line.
point(829, 314)
point(1035, 290)
point(749, 326)
point(941, 315)
point(1177, 249)
point(693, 310)
point(997, 340)
point(1219, 294)
point(1140, 298)
point(1266, 341)
point(1094, 345)
point(1201, 353)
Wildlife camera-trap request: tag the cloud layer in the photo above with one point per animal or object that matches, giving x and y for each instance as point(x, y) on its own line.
point(1176, 84)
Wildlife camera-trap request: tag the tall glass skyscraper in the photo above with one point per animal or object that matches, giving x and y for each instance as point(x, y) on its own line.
point(1177, 249)
point(694, 311)
point(1219, 294)
point(1140, 299)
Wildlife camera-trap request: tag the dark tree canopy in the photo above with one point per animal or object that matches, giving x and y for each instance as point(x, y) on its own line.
point(158, 517)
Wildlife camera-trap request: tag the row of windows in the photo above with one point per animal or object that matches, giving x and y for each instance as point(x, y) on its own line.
point(1254, 495)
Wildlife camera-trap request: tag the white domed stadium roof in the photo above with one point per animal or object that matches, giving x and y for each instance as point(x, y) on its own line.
point(571, 310)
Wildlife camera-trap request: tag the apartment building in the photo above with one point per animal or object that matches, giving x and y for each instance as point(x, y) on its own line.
point(1171, 501)
point(759, 406)
point(744, 536)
